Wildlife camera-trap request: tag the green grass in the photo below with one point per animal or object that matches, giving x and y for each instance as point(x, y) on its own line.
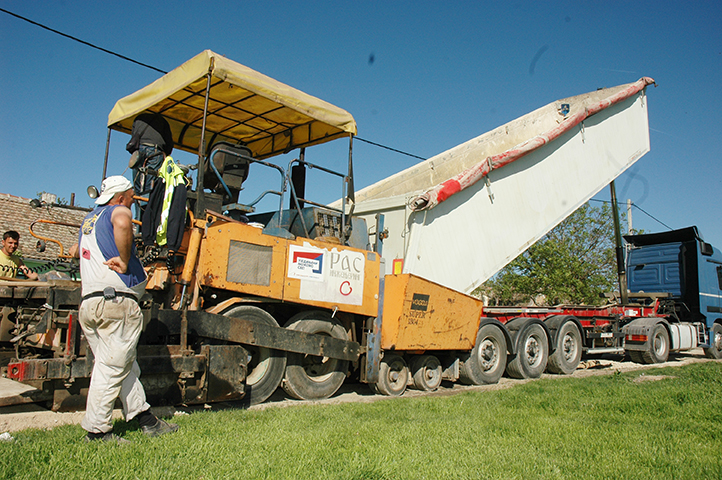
point(599, 427)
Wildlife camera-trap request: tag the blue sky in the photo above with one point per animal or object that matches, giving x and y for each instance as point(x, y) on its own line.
point(442, 73)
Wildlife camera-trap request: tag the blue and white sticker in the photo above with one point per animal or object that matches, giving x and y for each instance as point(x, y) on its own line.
point(334, 276)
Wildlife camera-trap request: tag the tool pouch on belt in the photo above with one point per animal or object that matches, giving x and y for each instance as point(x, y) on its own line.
point(134, 160)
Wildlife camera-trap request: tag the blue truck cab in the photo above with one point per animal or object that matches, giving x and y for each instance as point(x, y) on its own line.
point(681, 264)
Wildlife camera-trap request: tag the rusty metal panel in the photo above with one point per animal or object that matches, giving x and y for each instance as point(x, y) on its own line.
point(38, 369)
point(421, 315)
point(226, 372)
point(248, 332)
point(249, 263)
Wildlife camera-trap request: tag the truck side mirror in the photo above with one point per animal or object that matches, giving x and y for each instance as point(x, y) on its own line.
point(706, 249)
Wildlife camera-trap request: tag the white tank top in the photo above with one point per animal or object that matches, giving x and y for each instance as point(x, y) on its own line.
point(97, 245)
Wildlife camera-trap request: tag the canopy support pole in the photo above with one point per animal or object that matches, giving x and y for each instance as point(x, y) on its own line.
point(201, 200)
point(105, 161)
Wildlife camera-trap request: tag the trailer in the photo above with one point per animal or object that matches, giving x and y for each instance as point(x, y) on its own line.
point(307, 295)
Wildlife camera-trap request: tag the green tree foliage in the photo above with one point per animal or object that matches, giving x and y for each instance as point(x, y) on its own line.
point(574, 263)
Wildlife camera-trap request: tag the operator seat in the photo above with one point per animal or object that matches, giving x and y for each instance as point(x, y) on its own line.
point(228, 170)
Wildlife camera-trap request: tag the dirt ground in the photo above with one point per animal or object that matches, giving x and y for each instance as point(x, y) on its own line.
point(13, 419)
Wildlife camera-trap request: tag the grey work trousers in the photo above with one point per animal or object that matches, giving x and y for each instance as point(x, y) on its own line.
point(112, 328)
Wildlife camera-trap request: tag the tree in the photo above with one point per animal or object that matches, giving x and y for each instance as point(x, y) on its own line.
point(574, 263)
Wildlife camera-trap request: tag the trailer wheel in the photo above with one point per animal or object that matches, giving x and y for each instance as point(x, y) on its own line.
point(266, 365)
point(486, 362)
point(715, 351)
point(532, 353)
point(568, 352)
point(311, 377)
point(393, 376)
point(426, 372)
point(635, 356)
point(658, 346)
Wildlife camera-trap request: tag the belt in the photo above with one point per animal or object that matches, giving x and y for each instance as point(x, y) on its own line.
point(157, 147)
point(101, 294)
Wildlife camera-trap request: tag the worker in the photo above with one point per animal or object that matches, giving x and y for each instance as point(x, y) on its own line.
point(150, 142)
point(113, 280)
point(10, 262)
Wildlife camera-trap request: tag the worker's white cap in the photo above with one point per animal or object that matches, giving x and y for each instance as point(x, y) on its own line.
point(111, 186)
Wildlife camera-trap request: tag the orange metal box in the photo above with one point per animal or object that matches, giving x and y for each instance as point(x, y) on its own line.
point(421, 315)
point(240, 258)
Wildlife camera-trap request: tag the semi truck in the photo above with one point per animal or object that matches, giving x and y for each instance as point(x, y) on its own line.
point(374, 287)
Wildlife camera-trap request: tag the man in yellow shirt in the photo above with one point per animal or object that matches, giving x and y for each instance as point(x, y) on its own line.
point(10, 263)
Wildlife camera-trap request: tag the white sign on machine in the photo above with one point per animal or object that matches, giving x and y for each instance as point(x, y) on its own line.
point(335, 276)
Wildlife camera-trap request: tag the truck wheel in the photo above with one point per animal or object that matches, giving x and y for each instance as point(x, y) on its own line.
point(635, 356)
point(486, 362)
point(266, 366)
point(658, 346)
point(426, 372)
point(532, 352)
point(715, 351)
point(311, 377)
point(393, 376)
point(568, 352)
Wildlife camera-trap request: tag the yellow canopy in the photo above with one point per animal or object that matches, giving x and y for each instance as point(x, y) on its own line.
point(244, 106)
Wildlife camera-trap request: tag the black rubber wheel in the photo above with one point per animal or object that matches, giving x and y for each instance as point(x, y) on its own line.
point(311, 377)
point(532, 353)
point(635, 356)
point(715, 351)
point(426, 372)
point(568, 352)
point(393, 376)
point(486, 362)
point(658, 346)
point(266, 366)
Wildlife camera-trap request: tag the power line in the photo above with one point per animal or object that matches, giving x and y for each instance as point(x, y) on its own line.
point(651, 216)
point(638, 208)
point(158, 69)
point(83, 42)
point(389, 148)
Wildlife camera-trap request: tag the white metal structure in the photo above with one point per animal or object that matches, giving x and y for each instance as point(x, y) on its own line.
point(534, 172)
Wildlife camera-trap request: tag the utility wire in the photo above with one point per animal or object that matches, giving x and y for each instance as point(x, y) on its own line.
point(389, 148)
point(652, 217)
point(158, 69)
point(640, 209)
point(83, 42)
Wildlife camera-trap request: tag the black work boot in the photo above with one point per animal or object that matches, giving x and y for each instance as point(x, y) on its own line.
point(161, 427)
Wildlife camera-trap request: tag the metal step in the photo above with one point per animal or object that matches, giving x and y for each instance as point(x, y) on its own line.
point(16, 393)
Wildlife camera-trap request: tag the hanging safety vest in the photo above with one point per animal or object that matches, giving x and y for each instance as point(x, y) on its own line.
point(173, 177)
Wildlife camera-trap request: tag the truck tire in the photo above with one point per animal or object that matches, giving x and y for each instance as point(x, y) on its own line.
point(486, 362)
point(311, 377)
point(393, 376)
point(426, 370)
point(266, 366)
point(715, 351)
point(568, 351)
point(532, 352)
point(635, 356)
point(658, 346)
